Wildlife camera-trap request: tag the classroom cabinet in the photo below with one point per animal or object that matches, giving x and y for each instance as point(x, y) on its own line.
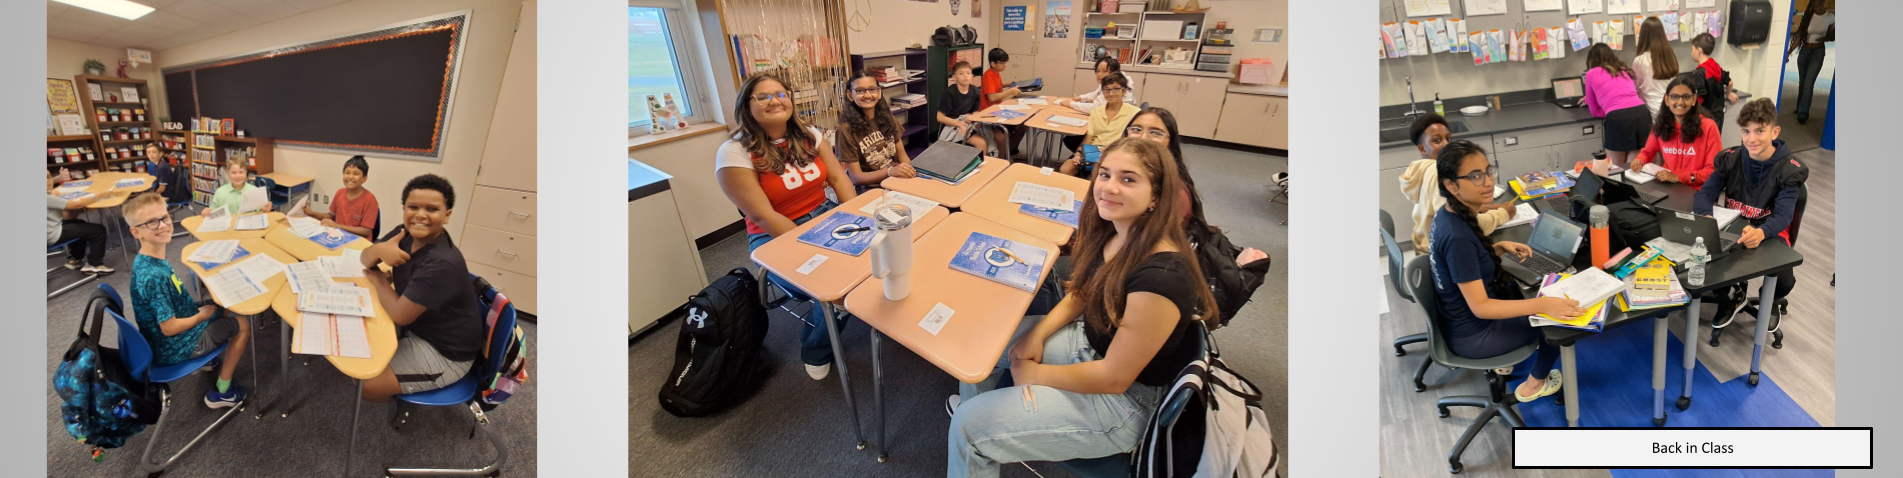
point(1256, 120)
point(1549, 148)
point(1515, 163)
point(1083, 81)
point(1394, 161)
point(498, 236)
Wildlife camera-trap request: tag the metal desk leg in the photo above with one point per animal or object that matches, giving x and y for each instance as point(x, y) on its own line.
point(839, 362)
point(1691, 352)
point(878, 395)
point(284, 360)
point(253, 345)
point(1569, 385)
point(1659, 332)
point(1766, 296)
point(350, 454)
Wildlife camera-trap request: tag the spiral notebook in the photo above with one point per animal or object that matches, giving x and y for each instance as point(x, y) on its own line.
point(1002, 261)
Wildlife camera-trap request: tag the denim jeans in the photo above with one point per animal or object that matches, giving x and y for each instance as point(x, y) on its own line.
point(999, 426)
point(1051, 291)
point(1810, 63)
point(815, 347)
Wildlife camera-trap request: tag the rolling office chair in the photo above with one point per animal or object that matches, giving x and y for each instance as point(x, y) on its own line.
point(137, 355)
point(466, 392)
point(1167, 411)
point(1404, 285)
point(1496, 403)
point(1749, 306)
point(53, 250)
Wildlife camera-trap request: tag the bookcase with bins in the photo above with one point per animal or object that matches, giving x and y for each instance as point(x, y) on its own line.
point(209, 150)
point(913, 120)
point(1126, 42)
point(120, 129)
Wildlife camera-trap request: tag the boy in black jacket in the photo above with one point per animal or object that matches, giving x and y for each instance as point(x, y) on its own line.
point(1762, 180)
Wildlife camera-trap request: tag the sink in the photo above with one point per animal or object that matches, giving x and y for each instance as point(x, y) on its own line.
point(1393, 130)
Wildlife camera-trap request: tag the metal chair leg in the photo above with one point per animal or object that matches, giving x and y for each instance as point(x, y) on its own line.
point(494, 468)
point(149, 466)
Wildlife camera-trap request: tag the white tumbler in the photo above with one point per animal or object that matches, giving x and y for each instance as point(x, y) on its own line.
point(892, 250)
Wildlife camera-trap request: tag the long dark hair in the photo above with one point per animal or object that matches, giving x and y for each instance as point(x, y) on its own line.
point(1652, 43)
point(801, 149)
point(1100, 289)
point(1447, 166)
point(1196, 218)
point(853, 125)
point(1601, 56)
point(1667, 125)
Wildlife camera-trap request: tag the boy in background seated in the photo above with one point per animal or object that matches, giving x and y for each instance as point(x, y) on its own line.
point(167, 316)
point(353, 208)
point(88, 254)
point(993, 86)
point(428, 292)
point(961, 100)
point(1761, 180)
point(231, 195)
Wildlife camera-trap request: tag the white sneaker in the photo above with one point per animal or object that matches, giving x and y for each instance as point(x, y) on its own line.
point(951, 404)
point(819, 372)
point(98, 269)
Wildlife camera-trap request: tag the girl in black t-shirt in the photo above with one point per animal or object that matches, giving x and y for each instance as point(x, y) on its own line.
point(1090, 373)
point(871, 145)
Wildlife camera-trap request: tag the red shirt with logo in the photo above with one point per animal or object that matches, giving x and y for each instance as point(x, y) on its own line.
point(793, 191)
point(1690, 161)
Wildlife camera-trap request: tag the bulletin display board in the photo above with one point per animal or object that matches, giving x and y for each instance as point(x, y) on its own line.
point(1516, 16)
point(386, 92)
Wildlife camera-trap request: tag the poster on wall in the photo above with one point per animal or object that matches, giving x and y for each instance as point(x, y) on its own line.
point(60, 96)
point(954, 5)
point(1057, 20)
point(977, 9)
point(1014, 18)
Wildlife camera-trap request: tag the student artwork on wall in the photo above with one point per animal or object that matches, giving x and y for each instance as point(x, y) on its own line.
point(1485, 7)
point(1661, 5)
point(1582, 7)
point(1542, 5)
point(954, 5)
point(1622, 6)
point(1057, 20)
point(977, 9)
point(1422, 8)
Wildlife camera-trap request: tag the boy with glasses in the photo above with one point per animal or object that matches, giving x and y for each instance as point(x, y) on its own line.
point(168, 317)
point(1106, 123)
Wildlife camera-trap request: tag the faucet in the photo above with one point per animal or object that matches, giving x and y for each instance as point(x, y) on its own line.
point(1412, 108)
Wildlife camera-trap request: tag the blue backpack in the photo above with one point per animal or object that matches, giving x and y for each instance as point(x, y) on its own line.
point(101, 403)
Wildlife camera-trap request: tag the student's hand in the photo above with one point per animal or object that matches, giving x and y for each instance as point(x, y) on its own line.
point(1517, 249)
point(1024, 373)
point(1560, 307)
point(207, 312)
point(388, 252)
point(1667, 176)
point(1751, 237)
point(329, 223)
point(1731, 97)
point(205, 212)
point(1250, 254)
point(267, 207)
point(161, 188)
point(901, 171)
point(964, 128)
point(1026, 349)
point(1015, 92)
point(63, 176)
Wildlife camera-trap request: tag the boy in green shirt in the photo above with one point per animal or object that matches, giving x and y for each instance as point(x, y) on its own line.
point(231, 195)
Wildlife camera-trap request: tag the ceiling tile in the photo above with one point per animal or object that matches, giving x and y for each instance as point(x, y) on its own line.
point(169, 21)
point(53, 9)
point(145, 30)
point(161, 44)
point(242, 5)
point(201, 10)
point(78, 37)
point(71, 29)
point(155, 3)
point(188, 37)
point(93, 18)
point(125, 37)
point(308, 5)
point(272, 11)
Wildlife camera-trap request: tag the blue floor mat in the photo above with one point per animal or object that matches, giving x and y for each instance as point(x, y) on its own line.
point(1616, 391)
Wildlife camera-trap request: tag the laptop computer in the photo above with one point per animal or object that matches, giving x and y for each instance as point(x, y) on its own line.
point(1568, 91)
point(1585, 194)
point(1684, 227)
point(1622, 191)
point(1555, 241)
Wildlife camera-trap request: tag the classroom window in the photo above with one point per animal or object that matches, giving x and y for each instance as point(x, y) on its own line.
point(661, 62)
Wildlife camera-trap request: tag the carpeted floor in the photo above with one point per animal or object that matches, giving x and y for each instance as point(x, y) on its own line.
point(313, 441)
point(796, 426)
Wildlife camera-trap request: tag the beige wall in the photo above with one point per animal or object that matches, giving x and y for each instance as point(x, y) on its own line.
point(1454, 75)
point(1246, 16)
point(897, 24)
point(690, 161)
point(485, 52)
point(66, 58)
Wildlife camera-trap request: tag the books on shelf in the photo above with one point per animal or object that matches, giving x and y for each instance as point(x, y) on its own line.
point(1002, 261)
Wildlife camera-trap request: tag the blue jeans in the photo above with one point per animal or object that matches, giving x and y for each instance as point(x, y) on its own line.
point(1810, 63)
point(999, 426)
point(815, 347)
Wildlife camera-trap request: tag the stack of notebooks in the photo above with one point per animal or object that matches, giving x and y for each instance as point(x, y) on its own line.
point(948, 162)
point(908, 100)
point(1591, 287)
point(1652, 285)
point(1539, 184)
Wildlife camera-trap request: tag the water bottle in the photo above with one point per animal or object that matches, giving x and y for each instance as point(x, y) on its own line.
point(1695, 276)
point(892, 250)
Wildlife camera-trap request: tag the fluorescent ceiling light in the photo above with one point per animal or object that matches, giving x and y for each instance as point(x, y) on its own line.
point(118, 8)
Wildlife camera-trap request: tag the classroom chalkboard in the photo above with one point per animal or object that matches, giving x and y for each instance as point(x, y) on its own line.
point(385, 92)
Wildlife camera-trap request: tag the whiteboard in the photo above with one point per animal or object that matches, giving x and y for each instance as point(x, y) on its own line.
point(1421, 8)
point(1542, 5)
point(1622, 6)
point(1486, 7)
point(1582, 7)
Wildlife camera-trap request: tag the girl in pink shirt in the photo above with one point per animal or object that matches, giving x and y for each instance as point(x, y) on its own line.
point(1611, 93)
point(1683, 138)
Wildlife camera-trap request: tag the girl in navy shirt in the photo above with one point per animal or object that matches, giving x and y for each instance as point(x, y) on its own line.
point(1477, 324)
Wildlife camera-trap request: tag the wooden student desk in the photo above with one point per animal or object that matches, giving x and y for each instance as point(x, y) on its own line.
point(304, 249)
point(985, 313)
point(256, 305)
point(993, 202)
point(1042, 121)
point(840, 273)
point(945, 194)
point(381, 328)
point(191, 225)
point(112, 196)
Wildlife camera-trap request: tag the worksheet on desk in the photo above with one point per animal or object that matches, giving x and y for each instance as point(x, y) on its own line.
point(336, 300)
point(1039, 195)
point(260, 267)
point(918, 205)
point(232, 286)
point(308, 275)
point(342, 267)
point(1061, 120)
point(254, 200)
point(305, 227)
point(214, 252)
point(252, 222)
point(218, 221)
point(332, 335)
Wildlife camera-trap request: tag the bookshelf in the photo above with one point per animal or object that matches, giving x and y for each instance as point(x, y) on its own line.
point(119, 128)
point(208, 152)
point(75, 154)
point(1114, 44)
point(913, 120)
point(938, 63)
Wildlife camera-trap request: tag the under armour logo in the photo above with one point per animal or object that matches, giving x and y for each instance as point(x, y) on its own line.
point(698, 317)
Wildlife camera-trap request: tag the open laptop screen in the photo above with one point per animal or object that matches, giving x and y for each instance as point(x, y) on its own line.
point(1555, 236)
point(1573, 87)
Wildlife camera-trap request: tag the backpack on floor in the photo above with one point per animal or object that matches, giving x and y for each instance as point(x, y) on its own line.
point(1222, 430)
point(499, 385)
point(101, 404)
point(719, 360)
point(1231, 284)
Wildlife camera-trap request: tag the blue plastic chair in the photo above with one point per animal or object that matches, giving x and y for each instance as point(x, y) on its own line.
point(54, 249)
point(136, 353)
point(465, 393)
point(1118, 465)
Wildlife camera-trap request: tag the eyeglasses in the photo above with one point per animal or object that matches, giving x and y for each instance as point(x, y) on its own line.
point(155, 224)
point(769, 96)
point(1113, 90)
point(1488, 174)
point(1138, 131)
point(861, 91)
point(1681, 97)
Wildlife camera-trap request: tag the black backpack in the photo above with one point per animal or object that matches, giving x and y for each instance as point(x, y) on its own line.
point(1711, 93)
point(101, 404)
point(1232, 285)
point(954, 36)
point(719, 360)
